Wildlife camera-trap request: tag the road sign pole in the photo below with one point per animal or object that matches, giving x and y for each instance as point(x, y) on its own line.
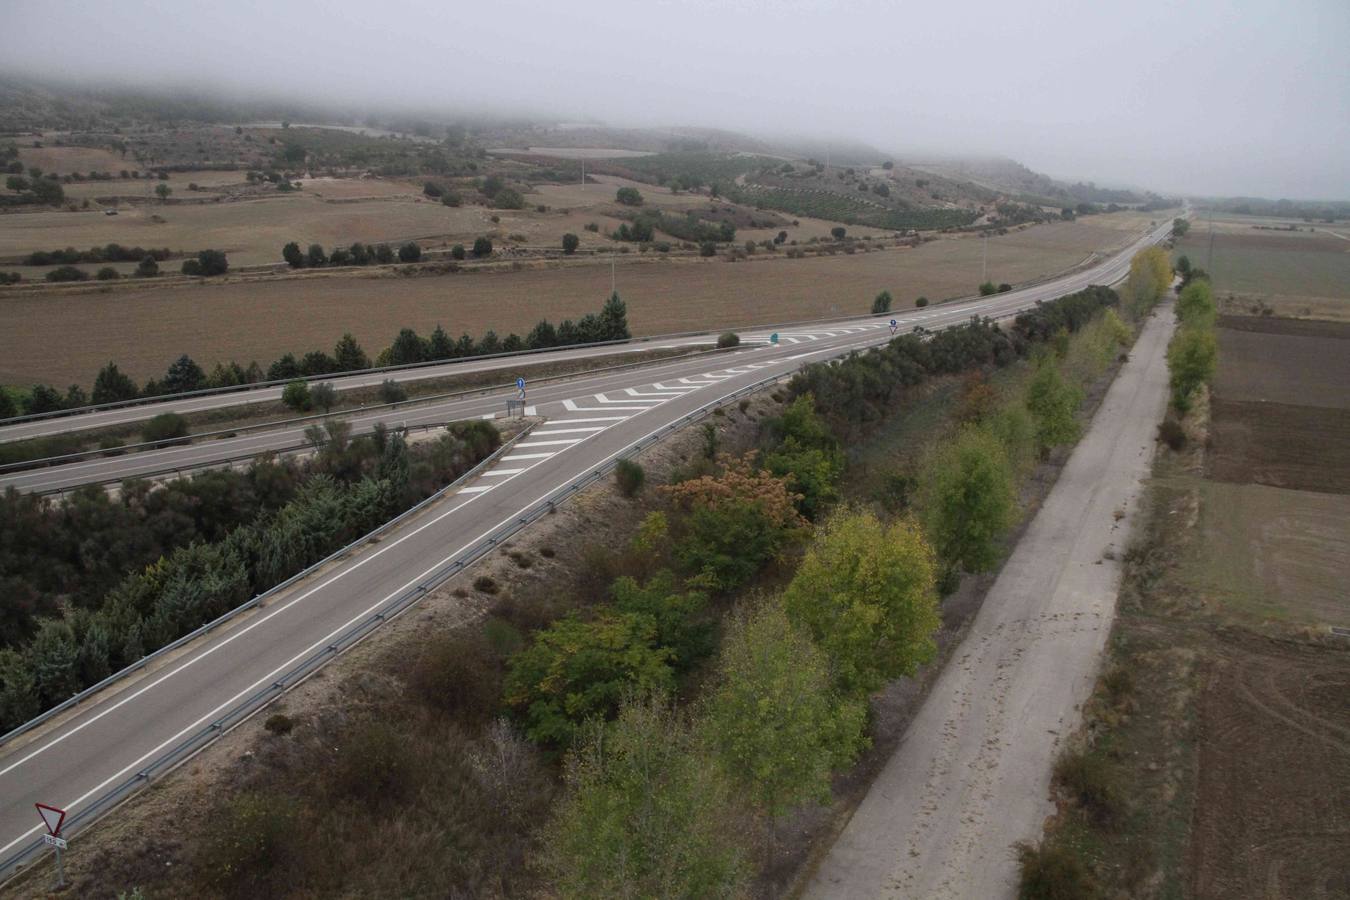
point(60, 870)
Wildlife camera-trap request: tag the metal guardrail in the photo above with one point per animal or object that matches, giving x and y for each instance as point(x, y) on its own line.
point(110, 452)
point(260, 598)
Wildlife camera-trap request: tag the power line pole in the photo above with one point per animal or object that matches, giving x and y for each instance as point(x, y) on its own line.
point(984, 262)
point(1209, 259)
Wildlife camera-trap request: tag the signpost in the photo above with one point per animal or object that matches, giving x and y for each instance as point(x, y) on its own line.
point(894, 325)
point(520, 386)
point(53, 818)
point(773, 338)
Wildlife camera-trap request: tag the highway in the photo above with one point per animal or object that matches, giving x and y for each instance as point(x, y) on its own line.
point(73, 760)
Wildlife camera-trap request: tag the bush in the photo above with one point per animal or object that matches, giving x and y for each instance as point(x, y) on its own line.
point(882, 303)
point(1004, 288)
point(147, 268)
point(1053, 872)
point(164, 427)
point(1172, 434)
point(392, 392)
point(457, 252)
point(482, 247)
point(921, 302)
point(629, 476)
point(728, 339)
point(373, 765)
point(1087, 778)
point(245, 843)
point(212, 262)
point(628, 196)
point(409, 252)
point(296, 396)
point(838, 232)
point(570, 242)
point(987, 289)
point(67, 273)
point(279, 724)
point(108, 273)
point(508, 198)
point(707, 248)
point(485, 584)
point(460, 675)
point(191, 267)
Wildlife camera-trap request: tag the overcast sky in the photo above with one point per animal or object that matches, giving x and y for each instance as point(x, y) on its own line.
point(1200, 96)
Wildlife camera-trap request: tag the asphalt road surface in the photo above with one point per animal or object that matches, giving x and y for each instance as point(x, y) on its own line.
point(73, 759)
point(972, 774)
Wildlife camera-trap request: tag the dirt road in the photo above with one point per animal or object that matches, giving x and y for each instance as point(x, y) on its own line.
point(972, 775)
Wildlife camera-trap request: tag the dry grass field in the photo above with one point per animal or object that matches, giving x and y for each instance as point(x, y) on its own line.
point(143, 329)
point(65, 160)
point(1257, 263)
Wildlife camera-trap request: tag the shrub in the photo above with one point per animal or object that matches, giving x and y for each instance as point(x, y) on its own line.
point(921, 302)
point(728, 339)
point(1053, 872)
point(67, 273)
point(1172, 434)
point(1004, 288)
point(164, 427)
point(296, 395)
point(392, 391)
point(108, 273)
point(279, 724)
point(707, 248)
point(628, 196)
point(245, 842)
point(457, 252)
point(882, 303)
point(373, 765)
point(461, 675)
point(629, 476)
point(508, 198)
point(987, 289)
point(409, 252)
point(191, 267)
point(570, 242)
point(1087, 778)
point(485, 584)
point(482, 247)
point(838, 232)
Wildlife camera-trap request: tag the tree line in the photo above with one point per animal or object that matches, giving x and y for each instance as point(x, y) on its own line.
point(94, 585)
point(112, 385)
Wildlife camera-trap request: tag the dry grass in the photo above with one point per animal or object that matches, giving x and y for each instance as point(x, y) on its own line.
point(143, 329)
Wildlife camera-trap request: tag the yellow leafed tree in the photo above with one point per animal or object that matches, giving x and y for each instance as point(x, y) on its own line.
point(1150, 275)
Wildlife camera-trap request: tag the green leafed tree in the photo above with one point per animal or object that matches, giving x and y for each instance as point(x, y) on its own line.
point(882, 303)
point(112, 385)
point(1192, 357)
point(1053, 402)
point(968, 501)
point(575, 670)
point(773, 718)
point(865, 593)
point(348, 355)
point(645, 813)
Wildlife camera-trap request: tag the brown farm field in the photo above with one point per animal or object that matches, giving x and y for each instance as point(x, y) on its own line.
point(143, 329)
point(1258, 263)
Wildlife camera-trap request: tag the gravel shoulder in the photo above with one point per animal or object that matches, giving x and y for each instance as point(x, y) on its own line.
point(972, 775)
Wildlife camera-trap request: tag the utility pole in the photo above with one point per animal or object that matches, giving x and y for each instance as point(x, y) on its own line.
point(984, 261)
point(1209, 260)
point(583, 171)
point(612, 289)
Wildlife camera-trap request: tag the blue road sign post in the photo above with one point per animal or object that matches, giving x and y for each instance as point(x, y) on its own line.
point(520, 386)
point(894, 325)
point(773, 338)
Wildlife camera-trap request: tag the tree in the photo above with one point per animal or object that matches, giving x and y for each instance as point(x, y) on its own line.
point(42, 398)
point(315, 256)
point(988, 288)
point(183, 375)
point(614, 319)
point(147, 268)
point(1150, 275)
point(574, 670)
point(48, 192)
point(296, 395)
point(16, 183)
point(628, 196)
point(409, 252)
point(838, 232)
point(1195, 304)
point(323, 395)
point(457, 252)
point(921, 302)
point(407, 348)
point(645, 813)
point(508, 198)
point(163, 191)
point(1192, 358)
point(54, 657)
point(773, 718)
point(213, 262)
point(384, 254)
point(108, 273)
point(570, 242)
point(482, 247)
point(1180, 226)
point(882, 303)
point(1053, 402)
point(968, 501)
point(348, 355)
point(8, 408)
point(164, 427)
point(111, 385)
point(865, 594)
point(542, 335)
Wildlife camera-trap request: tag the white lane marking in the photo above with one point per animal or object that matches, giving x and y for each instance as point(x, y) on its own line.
point(588, 428)
point(499, 473)
point(477, 488)
point(515, 456)
point(682, 388)
point(697, 383)
point(550, 443)
point(572, 406)
point(552, 422)
point(649, 402)
point(664, 395)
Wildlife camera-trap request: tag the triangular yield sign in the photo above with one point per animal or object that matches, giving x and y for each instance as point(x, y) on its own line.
point(52, 816)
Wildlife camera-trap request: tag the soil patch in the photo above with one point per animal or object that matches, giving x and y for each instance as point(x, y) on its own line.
point(1283, 361)
point(1300, 447)
point(1273, 795)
